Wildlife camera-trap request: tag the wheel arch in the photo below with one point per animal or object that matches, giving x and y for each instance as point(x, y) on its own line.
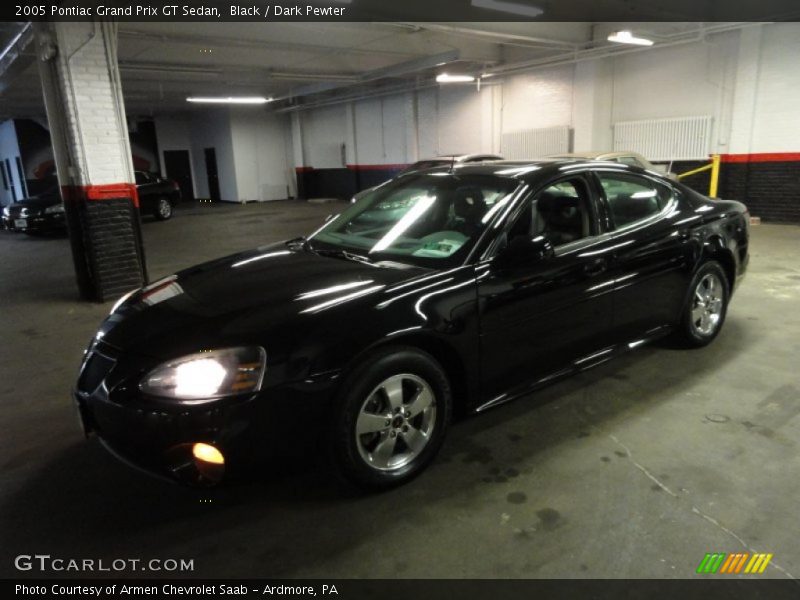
point(714, 248)
point(440, 350)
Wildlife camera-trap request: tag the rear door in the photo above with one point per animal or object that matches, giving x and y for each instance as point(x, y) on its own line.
point(651, 252)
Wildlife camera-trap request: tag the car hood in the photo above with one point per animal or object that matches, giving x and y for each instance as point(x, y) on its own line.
point(35, 203)
point(240, 298)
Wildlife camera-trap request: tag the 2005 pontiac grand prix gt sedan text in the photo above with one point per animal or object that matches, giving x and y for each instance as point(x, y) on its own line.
point(442, 292)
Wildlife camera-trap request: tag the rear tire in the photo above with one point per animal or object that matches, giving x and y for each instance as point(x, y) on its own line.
point(163, 209)
point(391, 418)
point(706, 306)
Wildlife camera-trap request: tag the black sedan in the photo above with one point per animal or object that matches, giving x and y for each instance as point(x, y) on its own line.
point(44, 213)
point(444, 292)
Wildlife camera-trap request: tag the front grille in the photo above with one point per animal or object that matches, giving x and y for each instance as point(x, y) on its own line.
point(95, 369)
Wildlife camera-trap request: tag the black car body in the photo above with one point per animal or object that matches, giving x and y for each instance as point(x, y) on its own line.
point(157, 195)
point(44, 213)
point(607, 269)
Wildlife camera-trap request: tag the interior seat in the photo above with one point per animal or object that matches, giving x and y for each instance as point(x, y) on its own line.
point(560, 217)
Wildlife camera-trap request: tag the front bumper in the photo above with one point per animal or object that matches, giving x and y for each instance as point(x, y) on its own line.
point(36, 223)
point(269, 429)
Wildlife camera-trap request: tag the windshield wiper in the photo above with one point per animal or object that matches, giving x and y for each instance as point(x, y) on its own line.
point(339, 253)
point(301, 241)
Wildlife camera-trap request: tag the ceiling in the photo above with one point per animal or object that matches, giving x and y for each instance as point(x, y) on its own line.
point(301, 64)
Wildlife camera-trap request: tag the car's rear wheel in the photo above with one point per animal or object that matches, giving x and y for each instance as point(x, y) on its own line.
point(391, 418)
point(706, 306)
point(163, 209)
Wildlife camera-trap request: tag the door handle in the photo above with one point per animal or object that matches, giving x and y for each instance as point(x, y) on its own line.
point(596, 266)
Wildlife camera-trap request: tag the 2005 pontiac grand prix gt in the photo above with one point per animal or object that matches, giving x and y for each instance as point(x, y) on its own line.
point(441, 292)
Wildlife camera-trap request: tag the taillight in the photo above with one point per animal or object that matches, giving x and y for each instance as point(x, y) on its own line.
point(175, 186)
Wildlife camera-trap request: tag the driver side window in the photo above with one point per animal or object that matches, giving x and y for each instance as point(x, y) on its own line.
point(560, 212)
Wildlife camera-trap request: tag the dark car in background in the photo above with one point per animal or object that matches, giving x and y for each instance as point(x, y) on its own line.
point(44, 213)
point(157, 195)
point(39, 214)
point(446, 291)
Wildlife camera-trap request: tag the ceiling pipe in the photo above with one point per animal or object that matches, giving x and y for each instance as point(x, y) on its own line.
point(226, 42)
point(607, 51)
point(525, 40)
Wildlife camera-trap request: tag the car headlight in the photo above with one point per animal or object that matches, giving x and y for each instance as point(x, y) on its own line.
point(208, 375)
point(6, 211)
point(50, 210)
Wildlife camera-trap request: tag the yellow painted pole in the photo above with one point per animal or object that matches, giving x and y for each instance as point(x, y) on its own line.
point(712, 190)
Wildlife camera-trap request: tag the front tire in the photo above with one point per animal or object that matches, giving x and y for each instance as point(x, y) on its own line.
point(391, 418)
point(705, 309)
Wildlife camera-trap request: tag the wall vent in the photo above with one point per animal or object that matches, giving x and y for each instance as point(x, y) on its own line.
point(535, 143)
point(682, 138)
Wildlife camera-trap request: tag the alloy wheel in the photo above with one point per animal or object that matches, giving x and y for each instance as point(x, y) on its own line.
point(164, 208)
point(396, 422)
point(707, 304)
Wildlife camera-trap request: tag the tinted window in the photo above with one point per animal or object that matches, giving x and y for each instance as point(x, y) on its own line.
point(632, 198)
point(560, 212)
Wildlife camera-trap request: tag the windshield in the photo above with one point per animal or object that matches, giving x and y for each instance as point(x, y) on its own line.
point(423, 219)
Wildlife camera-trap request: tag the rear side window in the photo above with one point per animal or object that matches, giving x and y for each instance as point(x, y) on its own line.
point(631, 198)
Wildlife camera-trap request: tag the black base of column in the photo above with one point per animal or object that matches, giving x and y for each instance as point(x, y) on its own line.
point(106, 244)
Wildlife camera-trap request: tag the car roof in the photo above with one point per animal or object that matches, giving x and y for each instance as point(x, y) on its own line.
point(525, 169)
point(594, 155)
point(461, 157)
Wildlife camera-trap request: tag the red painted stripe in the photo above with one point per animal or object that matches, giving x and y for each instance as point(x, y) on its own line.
point(763, 157)
point(107, 191)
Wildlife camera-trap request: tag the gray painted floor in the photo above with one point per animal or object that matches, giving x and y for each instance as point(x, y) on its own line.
point(635, 469)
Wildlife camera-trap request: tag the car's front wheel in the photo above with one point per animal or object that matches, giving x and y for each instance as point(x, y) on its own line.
point(706, 306)
point(392, 416)
point(163, 209)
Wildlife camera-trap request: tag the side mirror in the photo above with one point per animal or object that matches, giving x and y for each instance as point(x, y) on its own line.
point(523, 251)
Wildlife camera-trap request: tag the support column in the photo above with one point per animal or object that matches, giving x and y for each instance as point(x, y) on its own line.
point(86, 113)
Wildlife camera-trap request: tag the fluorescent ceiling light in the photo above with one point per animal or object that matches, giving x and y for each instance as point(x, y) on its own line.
point(514, 8)
point(626, 37)
point(230, 100)
point(445, 78)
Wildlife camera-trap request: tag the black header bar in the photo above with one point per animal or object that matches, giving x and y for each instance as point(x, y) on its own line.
point(404, 10)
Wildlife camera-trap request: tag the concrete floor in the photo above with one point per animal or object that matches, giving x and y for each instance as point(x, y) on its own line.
point(635, 469)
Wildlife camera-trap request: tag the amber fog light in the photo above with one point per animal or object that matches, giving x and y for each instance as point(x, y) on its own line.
point(208, 454)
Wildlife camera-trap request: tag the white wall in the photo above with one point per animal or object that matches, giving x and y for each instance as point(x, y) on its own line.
point(746, 80)
point(9, 149)
point(212, 129)
point(776, 113)
point(253, 148)
point(261, 155)
point(324, 132)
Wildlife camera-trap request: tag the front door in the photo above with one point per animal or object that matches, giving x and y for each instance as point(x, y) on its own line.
point(537, 319)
